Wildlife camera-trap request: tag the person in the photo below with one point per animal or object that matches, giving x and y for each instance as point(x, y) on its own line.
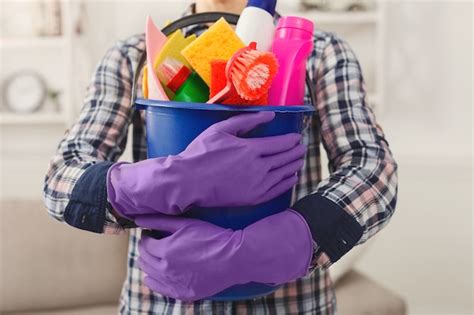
point(88, 189)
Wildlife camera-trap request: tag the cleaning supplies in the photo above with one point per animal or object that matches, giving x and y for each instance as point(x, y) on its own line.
point(172, 48)
point(186, 84)
point(154, 40)
point(219, 81)
point(256, 23)
point(217, 42)
point(292, 46)
point(250, 71)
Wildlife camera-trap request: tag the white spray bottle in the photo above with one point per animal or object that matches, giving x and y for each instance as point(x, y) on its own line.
point(256, 24)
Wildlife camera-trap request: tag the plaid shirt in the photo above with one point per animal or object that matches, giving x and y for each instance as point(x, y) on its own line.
point(354, 203)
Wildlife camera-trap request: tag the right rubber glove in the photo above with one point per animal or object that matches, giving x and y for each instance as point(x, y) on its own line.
point(218, 168)
point(200, 259)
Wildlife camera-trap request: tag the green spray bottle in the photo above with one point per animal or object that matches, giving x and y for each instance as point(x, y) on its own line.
point(186, 84)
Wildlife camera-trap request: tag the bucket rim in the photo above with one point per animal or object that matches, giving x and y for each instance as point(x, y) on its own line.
point(141, 103)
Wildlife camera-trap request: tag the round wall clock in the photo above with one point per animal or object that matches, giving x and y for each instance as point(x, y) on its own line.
point(24, 92)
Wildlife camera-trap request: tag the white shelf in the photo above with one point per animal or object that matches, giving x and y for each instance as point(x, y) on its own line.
point(322, 17)
point(51, 41)
point(33, 118)
point(62, 43)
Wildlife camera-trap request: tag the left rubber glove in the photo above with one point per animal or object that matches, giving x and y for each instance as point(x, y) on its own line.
point(220, 167)
point(200, 259)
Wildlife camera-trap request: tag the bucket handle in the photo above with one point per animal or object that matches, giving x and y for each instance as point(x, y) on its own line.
point(199, 18)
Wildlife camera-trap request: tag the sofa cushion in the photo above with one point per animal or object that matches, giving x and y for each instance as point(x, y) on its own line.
point(356, 295)
point(111, 309)
point(48, 264)
point(359, 295)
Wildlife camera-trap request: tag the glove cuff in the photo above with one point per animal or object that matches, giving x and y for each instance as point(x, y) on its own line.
point(278, 248)
point(309, 241)
point(149, 186)
point(112, 179)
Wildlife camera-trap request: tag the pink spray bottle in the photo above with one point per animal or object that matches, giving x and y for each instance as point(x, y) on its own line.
point(292, 45)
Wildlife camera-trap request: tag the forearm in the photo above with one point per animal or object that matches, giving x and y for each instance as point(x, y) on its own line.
point(349, 207)
point(76, 194)
point(59, 183)
point(88, 207)
point(359, 196)
point(74, 188)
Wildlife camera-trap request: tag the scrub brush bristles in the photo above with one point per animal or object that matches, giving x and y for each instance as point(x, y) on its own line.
point(252, 73)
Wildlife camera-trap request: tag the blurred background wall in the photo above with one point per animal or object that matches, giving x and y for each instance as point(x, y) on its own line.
point(425, 254)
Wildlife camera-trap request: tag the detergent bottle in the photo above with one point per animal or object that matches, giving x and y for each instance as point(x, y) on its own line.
point(292, 45)
point(256, 24)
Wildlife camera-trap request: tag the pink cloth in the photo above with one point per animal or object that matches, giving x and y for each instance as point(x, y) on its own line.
point(155, 40)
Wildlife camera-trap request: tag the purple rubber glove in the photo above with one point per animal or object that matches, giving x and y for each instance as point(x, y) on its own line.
point(218, 168)
point(200, 259)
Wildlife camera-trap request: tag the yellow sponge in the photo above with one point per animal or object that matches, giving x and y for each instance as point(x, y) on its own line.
point(145, 82)
point(175, 43)
point(219, 42)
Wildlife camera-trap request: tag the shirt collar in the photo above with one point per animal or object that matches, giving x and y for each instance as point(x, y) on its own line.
point(191, 9)
point(193, 29)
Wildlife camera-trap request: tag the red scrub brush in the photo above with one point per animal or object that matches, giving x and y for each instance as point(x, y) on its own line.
point(219, 81)
point(251, 73)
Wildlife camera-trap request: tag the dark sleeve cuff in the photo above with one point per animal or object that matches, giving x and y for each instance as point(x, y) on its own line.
point(88, 204)
point(333, 229)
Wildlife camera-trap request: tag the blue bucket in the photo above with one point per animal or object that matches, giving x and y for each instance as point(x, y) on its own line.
point(171, 126)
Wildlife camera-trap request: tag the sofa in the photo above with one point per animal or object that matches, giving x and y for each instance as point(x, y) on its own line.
point(48, 267)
